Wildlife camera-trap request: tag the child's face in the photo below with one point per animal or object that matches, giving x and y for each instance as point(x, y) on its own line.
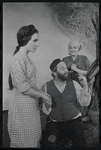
point(73, 49)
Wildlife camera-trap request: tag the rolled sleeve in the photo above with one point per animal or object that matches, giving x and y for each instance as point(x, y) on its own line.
point(84, 98)
point(18, 75)
point(46, 109)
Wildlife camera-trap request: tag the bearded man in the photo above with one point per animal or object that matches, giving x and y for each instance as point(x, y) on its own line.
point(64, 115)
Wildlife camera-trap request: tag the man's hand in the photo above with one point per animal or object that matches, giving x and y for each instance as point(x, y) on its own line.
point(83, 81)
point(81, 77)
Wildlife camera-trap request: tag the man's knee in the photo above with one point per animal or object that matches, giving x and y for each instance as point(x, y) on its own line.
point(48, 141)
point(49, 135)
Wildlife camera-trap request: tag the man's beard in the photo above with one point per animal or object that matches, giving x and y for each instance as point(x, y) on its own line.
point(62, 77)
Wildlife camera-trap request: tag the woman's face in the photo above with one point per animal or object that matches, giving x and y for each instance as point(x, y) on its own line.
point(33, 43)
point(73, 49)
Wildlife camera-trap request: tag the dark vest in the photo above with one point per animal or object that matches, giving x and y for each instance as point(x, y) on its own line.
point(64, 105)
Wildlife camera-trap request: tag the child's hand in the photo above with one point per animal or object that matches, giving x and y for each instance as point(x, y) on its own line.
point(73, 67)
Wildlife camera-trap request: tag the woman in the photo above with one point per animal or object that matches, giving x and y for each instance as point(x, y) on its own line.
point(24, 114)
point(76, 64)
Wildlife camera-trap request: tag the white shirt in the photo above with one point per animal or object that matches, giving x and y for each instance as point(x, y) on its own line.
point(83, 97)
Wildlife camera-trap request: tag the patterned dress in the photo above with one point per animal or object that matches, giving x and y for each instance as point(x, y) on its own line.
point(24, 115)
point(81, 62)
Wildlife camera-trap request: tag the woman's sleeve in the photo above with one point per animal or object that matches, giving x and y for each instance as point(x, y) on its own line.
point(18, 74)
point(87, 63)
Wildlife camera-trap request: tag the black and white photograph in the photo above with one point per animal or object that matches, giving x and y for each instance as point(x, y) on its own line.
point(50, 75)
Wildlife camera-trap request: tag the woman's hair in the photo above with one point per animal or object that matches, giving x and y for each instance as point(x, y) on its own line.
point(77, 43)
point(24, 35)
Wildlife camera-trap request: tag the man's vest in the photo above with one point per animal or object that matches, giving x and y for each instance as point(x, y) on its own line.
point(64, 105)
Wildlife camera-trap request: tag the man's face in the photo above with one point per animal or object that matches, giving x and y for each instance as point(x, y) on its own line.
point(62, 72)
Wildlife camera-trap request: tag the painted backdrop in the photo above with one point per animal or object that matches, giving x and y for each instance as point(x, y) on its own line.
point(53, 43)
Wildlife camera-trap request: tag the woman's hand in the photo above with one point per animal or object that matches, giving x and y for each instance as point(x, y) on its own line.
point(47, 98)
point(73, 67)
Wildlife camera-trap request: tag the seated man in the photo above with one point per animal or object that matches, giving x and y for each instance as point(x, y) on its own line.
point(65, 118)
